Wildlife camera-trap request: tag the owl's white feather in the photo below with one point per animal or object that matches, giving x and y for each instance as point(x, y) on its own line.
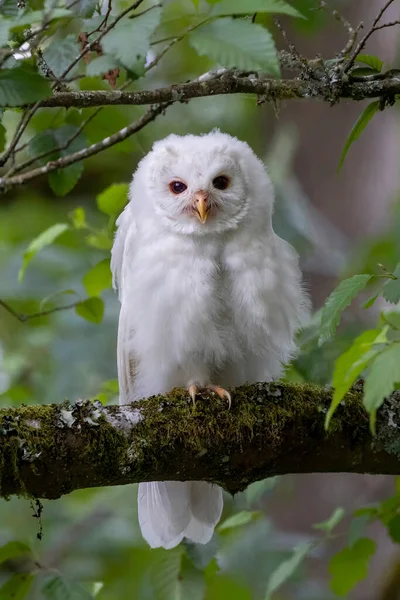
point(201, 302)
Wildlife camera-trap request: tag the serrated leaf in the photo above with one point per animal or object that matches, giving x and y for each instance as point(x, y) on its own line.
point(350, 365)
point(235, 43)
point(245, 7)
point(60, 53)
point(332, 522)
point(98, 279)
point(381, 378)
point(91, 309)
point(391, 289)
point(44, 239)
point(112, 200)
point(358, 128)
point(101, 65)
point(12, 550)
point(350, 566)
point(17, 587)
point(22, 86)
point(286, 569)
point(338, 300)
point(9, 8)
point(129, 41)
point(372, 61)
point(241, 518)
point(59, 588)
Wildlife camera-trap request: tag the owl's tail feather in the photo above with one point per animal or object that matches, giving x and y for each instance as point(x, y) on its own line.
point(172, 510)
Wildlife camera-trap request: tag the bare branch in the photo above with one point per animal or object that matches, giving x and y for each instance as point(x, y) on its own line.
point(8, 182)
point(360, 46)
point(230, 83)
point(271, 429)
point(42, 313)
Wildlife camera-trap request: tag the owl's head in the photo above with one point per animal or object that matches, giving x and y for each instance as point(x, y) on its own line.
point(203, 184)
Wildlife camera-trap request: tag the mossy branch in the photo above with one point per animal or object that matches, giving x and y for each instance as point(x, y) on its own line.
point(271, 429)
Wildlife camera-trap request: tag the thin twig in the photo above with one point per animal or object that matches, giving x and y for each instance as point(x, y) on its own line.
point(65, 146)
point(115, 138)
point(43, 313)
point(89, 46)
point(360, 46)
point(104, 21)
point(23, 124)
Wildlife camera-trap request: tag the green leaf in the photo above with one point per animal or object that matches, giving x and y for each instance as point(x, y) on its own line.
point(12, 550)
point(394, 529)
point(2, 137)
point(78, 218)
point(22, 85)
point(357, 528)
point(351, 364)
point(91, 309)
point(9, 8)
point(101, 65)
point(239, 519)
point(166, 573)
point(17, 587)
point(391, 289)
point(60, 53)
point(113, 199)
point(333, 520)
point(381, 379)
point(84, 8)
point(59, 588)
point(62, 180)
point(98, 279)
point(44, 239)
point(235, 43)
point(350, 566)
point(129, 41)
point(30, 17)
point(358, 128)
point(100, 240)
point(339, 299)
point(286, 569)
point(245, 7)
point(372, 61)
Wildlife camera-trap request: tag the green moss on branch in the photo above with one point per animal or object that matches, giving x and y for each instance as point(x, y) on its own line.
point(47, 451)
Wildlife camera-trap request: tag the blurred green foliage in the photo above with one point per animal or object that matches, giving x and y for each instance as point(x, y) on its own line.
point(57, 234)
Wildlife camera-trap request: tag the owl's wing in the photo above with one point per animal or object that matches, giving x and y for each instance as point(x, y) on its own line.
point(120, 253)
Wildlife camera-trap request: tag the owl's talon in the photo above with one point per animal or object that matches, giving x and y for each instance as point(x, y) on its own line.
point(193, 389)
point(222, 393)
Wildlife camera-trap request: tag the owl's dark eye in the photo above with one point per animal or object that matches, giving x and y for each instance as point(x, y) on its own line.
point(177, 187)
point(221, 182)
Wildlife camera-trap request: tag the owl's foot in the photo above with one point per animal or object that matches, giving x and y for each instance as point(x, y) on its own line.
point(193, 389)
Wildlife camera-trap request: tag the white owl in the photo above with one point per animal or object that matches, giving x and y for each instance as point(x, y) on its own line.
point(210, 297)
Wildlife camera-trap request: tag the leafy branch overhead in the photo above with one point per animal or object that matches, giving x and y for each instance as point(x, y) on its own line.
point(90, 56)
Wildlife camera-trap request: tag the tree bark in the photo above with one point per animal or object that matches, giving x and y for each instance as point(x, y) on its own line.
point(271, 429)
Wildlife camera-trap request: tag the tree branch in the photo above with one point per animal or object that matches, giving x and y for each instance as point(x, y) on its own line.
point(48, 451)
point(230, 83)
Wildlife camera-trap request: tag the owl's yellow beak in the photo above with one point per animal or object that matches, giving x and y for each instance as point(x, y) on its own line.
point(201, 205)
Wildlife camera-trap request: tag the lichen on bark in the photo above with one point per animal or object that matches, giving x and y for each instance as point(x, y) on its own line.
point(271, 429)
